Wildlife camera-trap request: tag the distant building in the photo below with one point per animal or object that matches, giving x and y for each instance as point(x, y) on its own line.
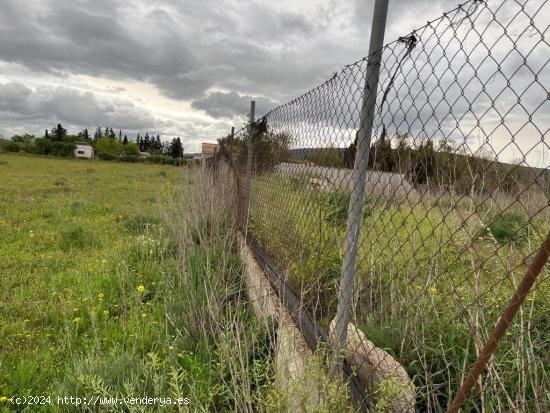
point(144, 154)
point(209, 150)
point(84, 151)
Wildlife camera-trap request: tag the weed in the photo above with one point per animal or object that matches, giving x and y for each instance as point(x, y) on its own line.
point(509, 227)
point(140, 223)
point(60, 182)
point(76, 237)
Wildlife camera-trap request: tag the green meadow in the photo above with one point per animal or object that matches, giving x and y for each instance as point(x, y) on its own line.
point(83, 262)
point(105, 286)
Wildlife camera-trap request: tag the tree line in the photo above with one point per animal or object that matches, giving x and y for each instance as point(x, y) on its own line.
point(107, 144)
point(436, 164)
point(422, 161)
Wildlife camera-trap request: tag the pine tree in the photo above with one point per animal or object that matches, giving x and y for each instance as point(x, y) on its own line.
point(98, 134)
point(125, 140)
point(46, 134)
point(120, 135)
point(146, 143)
point(158, 145)
point(58, 133)
point(176, 149)
point(84, 135)
point(349, 154)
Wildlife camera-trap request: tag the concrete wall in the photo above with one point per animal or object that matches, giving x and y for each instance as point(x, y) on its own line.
point(386, 381)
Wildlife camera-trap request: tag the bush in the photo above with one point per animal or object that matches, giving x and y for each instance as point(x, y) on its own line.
point(63, 149)
point(12, 147)
point(165, 160)
point(106, 156)
point(510, 227)
point(130, 149)
point(76, 237)
point(326, 157)
point(129, 158)
point(43, 146)
point(140, 223)
point(108, 145)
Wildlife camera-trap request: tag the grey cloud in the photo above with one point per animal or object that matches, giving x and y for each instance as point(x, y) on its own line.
point(190, 49)
point(231, 104)
point(45, 105)
point(73, 39)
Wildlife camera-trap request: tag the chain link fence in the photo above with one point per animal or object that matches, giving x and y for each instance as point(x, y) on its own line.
point(457, 203)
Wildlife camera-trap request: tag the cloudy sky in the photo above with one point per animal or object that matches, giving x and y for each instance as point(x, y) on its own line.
point(176, 67)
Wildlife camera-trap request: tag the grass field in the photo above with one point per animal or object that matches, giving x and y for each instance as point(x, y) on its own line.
point(102, 294)
point(83, 259)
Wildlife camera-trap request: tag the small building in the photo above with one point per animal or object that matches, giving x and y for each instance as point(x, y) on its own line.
point(145, 154)
point(84, 151)
point(209, 150)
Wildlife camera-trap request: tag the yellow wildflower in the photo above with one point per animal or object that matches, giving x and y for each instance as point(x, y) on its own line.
point(141, 289)
point(144, 315)
point(3, 399)
point(105, 312)
point(76, 320)
point(433, 290)
point(100, 296)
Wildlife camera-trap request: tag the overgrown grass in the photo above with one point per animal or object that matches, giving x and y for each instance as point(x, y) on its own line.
point(128, 284)
point(434, 272)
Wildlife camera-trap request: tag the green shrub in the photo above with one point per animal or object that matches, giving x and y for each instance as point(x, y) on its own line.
point(12, 147)
point(337, 206)
point(140, 223)
point(128, 158)
point(108, 145)
point(165, 160)
point(60, 182)
point(42, 146)
point(76, 237)
point(106, 156)
point(130, 149)
point(63, 149)
point(509, 227)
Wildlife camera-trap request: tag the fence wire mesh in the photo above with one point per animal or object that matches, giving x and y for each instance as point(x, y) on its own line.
point(457, 202)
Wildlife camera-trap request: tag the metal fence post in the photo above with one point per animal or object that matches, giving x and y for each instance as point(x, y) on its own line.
point(360, 170)
point(251, 119)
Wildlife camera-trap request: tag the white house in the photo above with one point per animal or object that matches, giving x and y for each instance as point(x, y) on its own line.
point(84, 151)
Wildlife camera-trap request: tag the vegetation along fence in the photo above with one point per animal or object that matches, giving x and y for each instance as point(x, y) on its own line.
point(410, 195)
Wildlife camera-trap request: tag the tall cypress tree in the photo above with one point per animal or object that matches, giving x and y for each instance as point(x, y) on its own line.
point(146, 142)
point(98, 134)
point(176, 149)
point(84, 135)
point(58, 133)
